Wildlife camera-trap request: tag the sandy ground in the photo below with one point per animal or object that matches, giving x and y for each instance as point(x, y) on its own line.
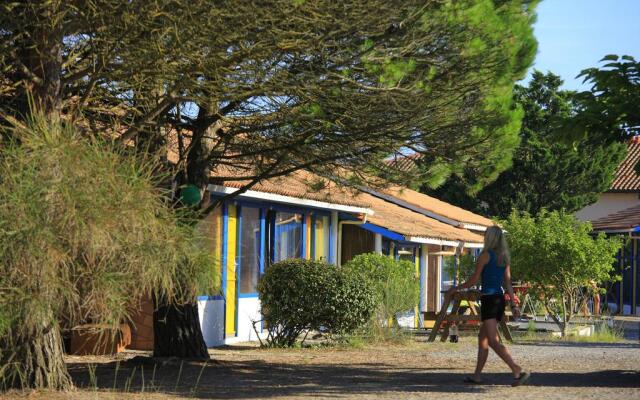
point(561, 370)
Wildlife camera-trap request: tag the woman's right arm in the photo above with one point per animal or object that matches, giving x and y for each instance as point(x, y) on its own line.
point(473, 280)
point(507, 282)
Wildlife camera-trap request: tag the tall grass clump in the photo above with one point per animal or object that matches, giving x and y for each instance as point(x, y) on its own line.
point(84, 232)
point(397, 288)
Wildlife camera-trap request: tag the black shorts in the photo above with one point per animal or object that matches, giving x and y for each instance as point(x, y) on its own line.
point(492, 306)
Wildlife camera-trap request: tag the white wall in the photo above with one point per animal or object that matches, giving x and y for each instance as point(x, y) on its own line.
point(211, 313)
point(608, 203)
point(248, 311)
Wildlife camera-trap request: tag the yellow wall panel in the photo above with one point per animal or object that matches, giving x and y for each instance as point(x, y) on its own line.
point(232, 229)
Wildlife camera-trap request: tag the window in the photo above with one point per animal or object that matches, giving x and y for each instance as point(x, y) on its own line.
point(321, 239)
point(288, 236)
point(249, 250)
point(406, 253)
point(386, 247)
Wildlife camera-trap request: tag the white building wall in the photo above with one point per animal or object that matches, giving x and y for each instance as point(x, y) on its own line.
point(211, 313)
point(608, 203)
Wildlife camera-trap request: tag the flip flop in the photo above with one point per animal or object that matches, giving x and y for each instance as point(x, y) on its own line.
point(472, 381)
point(522, 379)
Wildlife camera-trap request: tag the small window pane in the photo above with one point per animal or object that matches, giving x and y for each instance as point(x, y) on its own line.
point(249, 250)
point(288, 236)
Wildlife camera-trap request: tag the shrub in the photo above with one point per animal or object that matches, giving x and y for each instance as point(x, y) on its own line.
point(395, 283)
point(84, 232)
point(303, 295)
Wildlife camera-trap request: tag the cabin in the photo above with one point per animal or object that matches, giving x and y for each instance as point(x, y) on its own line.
point(302, 215)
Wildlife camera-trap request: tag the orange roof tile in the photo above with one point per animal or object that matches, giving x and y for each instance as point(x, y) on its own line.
point(305, 185)
point(436, 206)
point(622, 220)
point(301, 185)
point(411, 224)
point(626, 179)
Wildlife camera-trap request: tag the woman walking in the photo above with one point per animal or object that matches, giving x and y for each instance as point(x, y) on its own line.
point(494, 269)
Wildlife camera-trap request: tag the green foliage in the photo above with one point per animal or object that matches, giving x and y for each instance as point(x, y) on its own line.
point(84, 232)
point(559, 257)
point(547, 172)
point(609, 110)
point(395, 283)
point(330, 86)
point(301, 295)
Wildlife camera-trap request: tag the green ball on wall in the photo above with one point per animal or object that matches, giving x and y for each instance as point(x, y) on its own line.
point(190, 195)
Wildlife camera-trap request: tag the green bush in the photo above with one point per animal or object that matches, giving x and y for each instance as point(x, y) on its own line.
point(84, 233)
point(395, 283)
point(302, 295)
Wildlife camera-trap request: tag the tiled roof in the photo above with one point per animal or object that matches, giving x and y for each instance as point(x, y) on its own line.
point(305, 185)
point(436, 206)
point(412, 224)
point(302, 185)
point(627, 180)
point(621, 220)
point(404, 163)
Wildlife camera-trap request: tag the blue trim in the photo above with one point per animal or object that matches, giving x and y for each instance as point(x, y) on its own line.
point(225, 247)
point(330, 255)
point(423, 289)
point(313, 236)
point(303, 249)
point(276, 206)
point(636, 229)
point(224, 255)
point(383, 231)
point(263, 235)
point(272, 236)
point(248, 295)
point(216, 297)
point(239, 228)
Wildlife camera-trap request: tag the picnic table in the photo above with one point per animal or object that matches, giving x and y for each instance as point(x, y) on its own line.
point(444, 319)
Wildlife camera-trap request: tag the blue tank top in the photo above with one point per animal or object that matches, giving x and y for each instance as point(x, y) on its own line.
point(492, 276)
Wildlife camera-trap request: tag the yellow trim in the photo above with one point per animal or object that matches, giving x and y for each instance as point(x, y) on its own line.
point(320, 227)
point(232, 225)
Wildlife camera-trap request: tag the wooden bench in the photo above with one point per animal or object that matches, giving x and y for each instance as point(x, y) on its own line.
point(444, 320)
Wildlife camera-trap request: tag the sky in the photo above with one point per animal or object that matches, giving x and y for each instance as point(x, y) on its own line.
point(575, 34)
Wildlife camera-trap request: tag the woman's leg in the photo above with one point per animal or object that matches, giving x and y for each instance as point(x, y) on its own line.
point(491, 330)
point(483, 352)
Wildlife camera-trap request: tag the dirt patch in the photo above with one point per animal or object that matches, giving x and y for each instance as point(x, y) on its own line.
point(416, 370)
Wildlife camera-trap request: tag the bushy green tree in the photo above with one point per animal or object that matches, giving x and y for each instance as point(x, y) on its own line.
point(297, 296)
point(84, 233)
point(394, 282)
point(270, 88)
point(560, 258)
point(548, 172)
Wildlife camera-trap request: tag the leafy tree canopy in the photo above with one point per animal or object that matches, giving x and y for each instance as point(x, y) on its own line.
point(609, 109)
point(280, 86)
point(547, 172)
point(557, 255)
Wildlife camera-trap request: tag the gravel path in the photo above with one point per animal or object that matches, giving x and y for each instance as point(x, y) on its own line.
point(418, 370)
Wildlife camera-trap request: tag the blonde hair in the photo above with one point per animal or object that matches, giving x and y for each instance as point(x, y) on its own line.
point(495, 241)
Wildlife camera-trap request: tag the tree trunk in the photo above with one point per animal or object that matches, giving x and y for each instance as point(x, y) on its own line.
point(36, 363)
point(177, 331)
